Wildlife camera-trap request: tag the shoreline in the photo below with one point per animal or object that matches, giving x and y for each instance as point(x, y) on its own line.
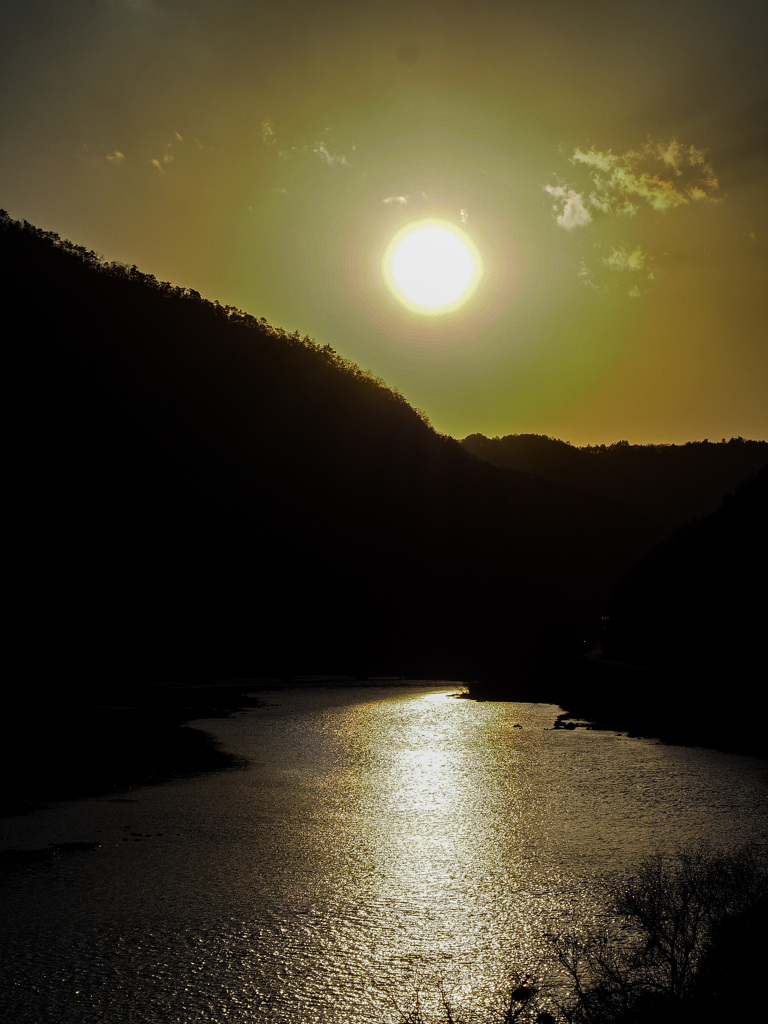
point(80, 748)
point(77, 750)
point(677, 706)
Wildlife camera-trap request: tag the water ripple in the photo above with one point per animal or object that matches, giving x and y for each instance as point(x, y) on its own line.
point(379, 839)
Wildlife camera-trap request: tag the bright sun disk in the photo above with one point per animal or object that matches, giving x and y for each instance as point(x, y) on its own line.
point(432, 267)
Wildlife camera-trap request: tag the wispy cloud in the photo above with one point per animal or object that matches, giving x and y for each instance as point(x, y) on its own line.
point(323, 148)
point(624, 269)
point(569, 206)
point(418, 199)
point(168, 156)
point(623, 259)
point(632, 266)
point(662, 175)
point(328, 156)
point(657, 177)
point(116, 157)
point(419, 203)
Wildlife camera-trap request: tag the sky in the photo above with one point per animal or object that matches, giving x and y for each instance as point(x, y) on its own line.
point(608, 161)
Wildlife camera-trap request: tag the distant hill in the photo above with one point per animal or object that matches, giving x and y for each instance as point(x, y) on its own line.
point(194, 492)
point(670, 484)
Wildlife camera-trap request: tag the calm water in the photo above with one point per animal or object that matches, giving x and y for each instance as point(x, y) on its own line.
point(379, 838)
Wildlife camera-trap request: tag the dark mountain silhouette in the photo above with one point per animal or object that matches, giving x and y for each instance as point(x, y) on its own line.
point(689, 618)
point(670, 484)
point(698, 600)
point(195, 492)
point(683, 646)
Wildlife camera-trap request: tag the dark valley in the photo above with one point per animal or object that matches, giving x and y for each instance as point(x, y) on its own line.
point(197, 494)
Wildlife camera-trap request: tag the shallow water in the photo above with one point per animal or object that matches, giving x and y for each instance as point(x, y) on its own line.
point(379, 837)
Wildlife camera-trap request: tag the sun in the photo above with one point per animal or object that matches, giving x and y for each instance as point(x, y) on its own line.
point(432, 267)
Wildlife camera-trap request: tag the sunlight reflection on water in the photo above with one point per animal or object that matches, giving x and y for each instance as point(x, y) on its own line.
point(379, 837)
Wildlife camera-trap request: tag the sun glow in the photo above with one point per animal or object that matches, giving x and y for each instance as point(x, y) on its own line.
point(432, 267)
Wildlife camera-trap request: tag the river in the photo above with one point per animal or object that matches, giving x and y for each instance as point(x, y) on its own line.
point(380, 838)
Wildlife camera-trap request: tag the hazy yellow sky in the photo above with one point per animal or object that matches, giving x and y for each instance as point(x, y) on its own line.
point(608, 159)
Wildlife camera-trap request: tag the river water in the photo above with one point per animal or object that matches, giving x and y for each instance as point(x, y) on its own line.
point(380, 838)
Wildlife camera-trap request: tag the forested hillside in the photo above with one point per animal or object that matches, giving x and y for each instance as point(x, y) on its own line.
point(195, 492)
point(698, 600)
point(671, 484)
point(683, 644)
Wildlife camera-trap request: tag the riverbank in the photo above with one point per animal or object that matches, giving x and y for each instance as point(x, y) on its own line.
point(70, 744)
point(685, 707)
point(64, 749)
point(681, 706)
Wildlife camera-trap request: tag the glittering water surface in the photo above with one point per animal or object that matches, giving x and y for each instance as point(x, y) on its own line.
point(380, 837)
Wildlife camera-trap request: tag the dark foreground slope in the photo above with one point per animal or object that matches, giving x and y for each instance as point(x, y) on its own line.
point(197, 493)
